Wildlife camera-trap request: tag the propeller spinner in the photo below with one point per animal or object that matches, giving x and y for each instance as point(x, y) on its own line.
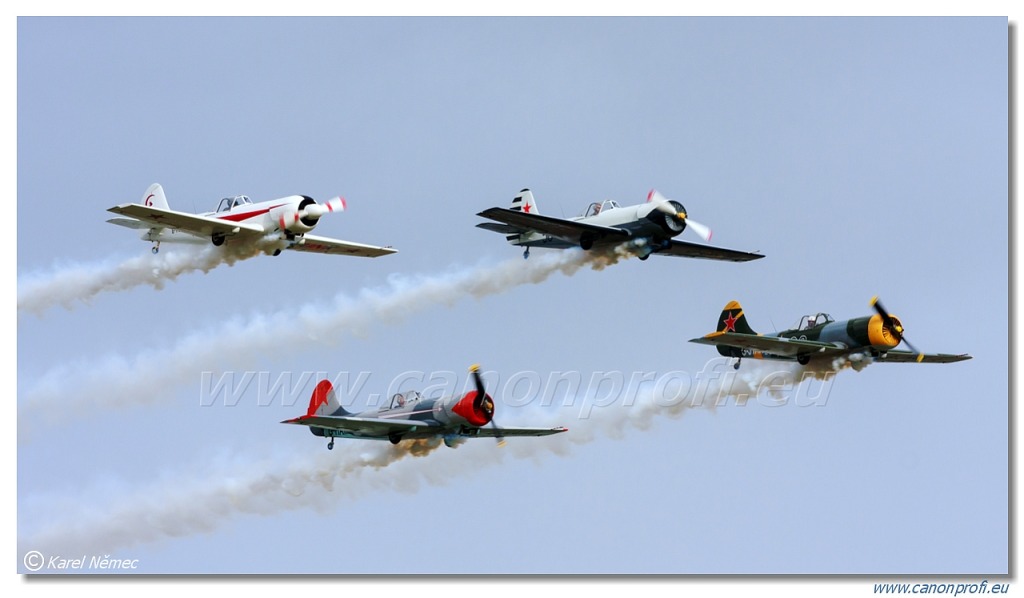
point(662, 204)
point(894, 325)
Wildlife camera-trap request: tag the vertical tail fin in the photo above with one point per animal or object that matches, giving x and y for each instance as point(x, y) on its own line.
point(733, 319)
point(324, 401)
point(524, 202)
point(155, 197)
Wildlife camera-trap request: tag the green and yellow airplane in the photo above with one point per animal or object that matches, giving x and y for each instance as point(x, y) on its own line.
point(819, 336)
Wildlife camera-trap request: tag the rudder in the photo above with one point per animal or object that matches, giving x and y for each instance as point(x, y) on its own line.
point(524, 202)
point(324, 401)
point(733, 319)
point(155, 198)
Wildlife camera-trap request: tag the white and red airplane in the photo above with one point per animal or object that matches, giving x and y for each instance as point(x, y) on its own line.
point(272, 225)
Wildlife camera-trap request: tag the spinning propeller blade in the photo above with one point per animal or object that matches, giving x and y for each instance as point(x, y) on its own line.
point(479, 402)
point(316, 210)
point(663, 205)
point(893, 325)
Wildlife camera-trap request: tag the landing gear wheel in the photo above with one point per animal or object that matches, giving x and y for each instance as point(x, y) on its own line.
point(643, 257)
point(395, 437)
point(277, 252)
point(330, 445)
point(736, 365)
point(803, 359)
point(155, 249)
point(526, 254)
point(586, 242)
point(218, 240)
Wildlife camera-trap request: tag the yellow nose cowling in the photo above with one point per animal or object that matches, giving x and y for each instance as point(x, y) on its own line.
point(880, 335)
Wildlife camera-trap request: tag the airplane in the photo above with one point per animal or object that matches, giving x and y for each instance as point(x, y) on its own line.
point(410, 416)
point(648, 228)
point(819, 336)
point(273, 225)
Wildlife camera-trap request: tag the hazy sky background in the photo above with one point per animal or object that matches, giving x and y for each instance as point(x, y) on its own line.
point(862, 156)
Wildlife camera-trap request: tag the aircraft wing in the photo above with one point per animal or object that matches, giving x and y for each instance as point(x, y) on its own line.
point(556, 227)
point(203, 226)
point(313, 244)
point(775, 345)
point(361, 426)
point(490, 432)
point(910, 357)
point(684, 249)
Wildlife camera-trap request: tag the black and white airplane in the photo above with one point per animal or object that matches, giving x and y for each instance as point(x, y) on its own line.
point(649, 228)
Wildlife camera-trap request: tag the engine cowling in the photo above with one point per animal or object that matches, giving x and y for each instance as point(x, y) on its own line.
point(882, 335)
point(670, 224)
point(473, 411)
point(873, 331)
point(295, 219)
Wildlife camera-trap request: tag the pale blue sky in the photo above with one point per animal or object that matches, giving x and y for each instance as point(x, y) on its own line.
point(862, 156)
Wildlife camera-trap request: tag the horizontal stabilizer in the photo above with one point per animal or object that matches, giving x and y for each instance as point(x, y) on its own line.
point(361, 426)
point(505, 229)
point(131, 223)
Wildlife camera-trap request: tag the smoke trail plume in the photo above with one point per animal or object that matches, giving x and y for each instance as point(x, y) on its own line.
point(119, 381)
point(79, 283)
point(177, 507)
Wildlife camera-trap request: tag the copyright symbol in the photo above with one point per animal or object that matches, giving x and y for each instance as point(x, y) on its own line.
point(33, 560)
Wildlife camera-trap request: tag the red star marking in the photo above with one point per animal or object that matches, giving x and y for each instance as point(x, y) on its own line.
point(730, 323)
point(526, 208)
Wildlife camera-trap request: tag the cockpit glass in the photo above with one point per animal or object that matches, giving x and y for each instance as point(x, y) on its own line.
point(399, 399)
point(229, 203)
point(810, 321)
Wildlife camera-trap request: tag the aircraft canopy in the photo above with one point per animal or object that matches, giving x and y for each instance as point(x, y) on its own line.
point(229, 203)
point(810, 321)
point(596, 208)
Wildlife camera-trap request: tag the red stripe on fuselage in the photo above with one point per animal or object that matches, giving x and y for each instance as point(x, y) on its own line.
point(247, 215)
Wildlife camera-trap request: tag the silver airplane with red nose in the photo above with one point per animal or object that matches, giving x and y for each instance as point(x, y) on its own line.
point(410, 416)
point(270, 226)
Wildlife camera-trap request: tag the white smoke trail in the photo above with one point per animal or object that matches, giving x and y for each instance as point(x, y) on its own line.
point(177, 507)
point(116, 380)
point(770, 383)
point(79, 283)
